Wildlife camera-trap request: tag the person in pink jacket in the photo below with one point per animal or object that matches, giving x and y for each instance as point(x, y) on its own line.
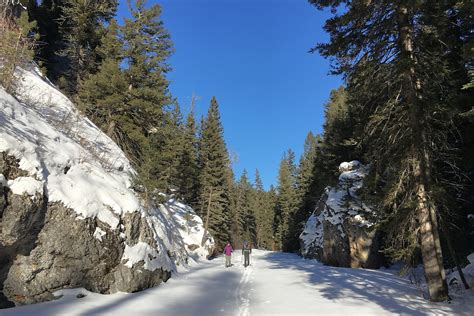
point(228, 253)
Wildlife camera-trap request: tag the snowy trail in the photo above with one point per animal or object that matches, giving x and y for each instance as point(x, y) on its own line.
point(275, 284)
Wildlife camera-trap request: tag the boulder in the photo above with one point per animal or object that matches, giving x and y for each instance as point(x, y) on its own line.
point(340, 231)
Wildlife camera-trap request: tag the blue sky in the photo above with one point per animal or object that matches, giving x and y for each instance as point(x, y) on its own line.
point(253, 56)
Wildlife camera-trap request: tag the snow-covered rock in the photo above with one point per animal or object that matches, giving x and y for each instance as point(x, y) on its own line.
point(68, 215)
point(340, 230)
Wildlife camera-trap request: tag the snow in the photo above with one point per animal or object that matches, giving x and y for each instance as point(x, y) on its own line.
point(348, 166)
point(141, 252)
point(313, 234)
point(26, 185)
point(74, 163)
point(274, 284)
point(48, 135)
point(99, 233)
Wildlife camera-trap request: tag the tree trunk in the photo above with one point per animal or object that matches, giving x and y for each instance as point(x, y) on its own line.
point(431, 264)
point(204, 236)
point(419, 155)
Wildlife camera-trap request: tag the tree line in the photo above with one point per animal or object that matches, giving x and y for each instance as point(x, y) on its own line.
point(405, 107)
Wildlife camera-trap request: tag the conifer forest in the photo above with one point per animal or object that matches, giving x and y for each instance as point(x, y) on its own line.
point(403, 116)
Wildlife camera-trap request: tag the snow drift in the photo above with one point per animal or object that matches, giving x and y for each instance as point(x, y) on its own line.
point(68, 214)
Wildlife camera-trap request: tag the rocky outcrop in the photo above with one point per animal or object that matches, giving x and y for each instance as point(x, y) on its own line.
point(69, 214)
point(340, 232)
point(45, 248)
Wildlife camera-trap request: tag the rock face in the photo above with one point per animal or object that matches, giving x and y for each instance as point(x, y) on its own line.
point(340, 232)
point(69, 216)
point(47, 248)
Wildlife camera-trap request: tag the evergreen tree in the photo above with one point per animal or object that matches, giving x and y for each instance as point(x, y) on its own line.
point(104, 96)
point(401, 79)
point(270, 223)
point(169, 143)
point(188, 168)
point(128, 97)
point(287, 205)
point(258, 206)
point(263, 205)
point(51, 41)
point(214, 176)
point(81, 26)
point(244, 211)
point(339, 131)
point(307, 183)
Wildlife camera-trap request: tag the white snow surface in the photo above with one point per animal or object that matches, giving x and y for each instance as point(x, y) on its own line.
point(26, 185)
point(72, 161)
point(49, 136)
point(99, 233)
point(342, 201)
point(274, 284)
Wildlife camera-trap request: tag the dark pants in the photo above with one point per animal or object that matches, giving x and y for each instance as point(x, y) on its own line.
point(246, 257)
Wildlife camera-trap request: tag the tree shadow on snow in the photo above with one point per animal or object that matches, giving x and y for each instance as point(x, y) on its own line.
point(392, 293)
point(192, 300)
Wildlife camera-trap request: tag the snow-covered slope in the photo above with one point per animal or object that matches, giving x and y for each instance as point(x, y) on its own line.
point(66, 160)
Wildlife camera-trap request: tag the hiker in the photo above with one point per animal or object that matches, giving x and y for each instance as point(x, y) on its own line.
point(228, 253)
point(246, 251)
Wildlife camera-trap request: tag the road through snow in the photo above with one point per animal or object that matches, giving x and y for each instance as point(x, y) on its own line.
point(274, 284)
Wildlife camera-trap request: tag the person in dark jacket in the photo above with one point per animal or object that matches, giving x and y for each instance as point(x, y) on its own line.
point(246, 251)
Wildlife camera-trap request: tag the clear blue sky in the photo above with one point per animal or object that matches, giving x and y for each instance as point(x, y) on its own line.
point(253, 56)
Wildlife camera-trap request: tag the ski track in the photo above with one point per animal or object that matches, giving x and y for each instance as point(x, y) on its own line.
point(242, 294)
point(274, 284)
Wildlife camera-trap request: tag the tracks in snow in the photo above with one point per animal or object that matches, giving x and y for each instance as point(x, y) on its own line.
point(242, 293)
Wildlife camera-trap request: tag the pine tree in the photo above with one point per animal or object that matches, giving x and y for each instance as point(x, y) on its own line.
point(214, 176)
point(244, 213)
point(188, 167)
point(308, 183)
point(287, 204)
point(51, 41)
point(401, 78)
point(103, 96)
point(128, 97)
point(263, 206)
point(169, 144)
point(270, 220)
point(339, 131)
point(81, 25)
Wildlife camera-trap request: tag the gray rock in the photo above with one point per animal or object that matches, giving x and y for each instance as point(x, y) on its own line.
point(22, 217)
point(44, 248)
point(341, 231)
point(68, 256)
